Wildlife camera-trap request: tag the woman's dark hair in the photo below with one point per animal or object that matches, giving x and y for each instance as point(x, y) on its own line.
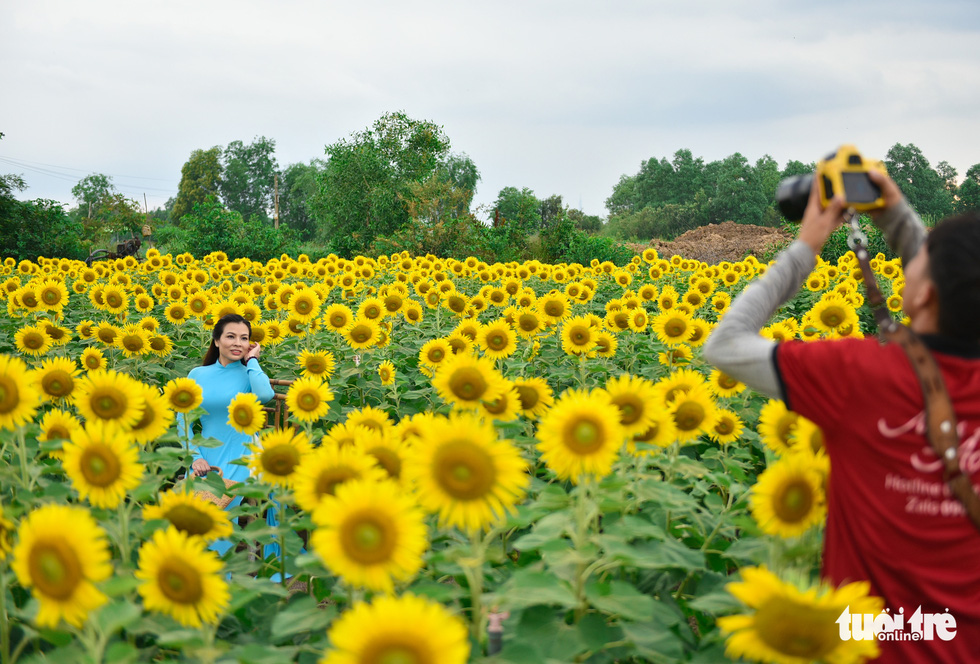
point(219, 328)
point(954, 246)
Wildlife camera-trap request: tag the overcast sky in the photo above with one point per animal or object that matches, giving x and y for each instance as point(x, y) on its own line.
point(562, 96)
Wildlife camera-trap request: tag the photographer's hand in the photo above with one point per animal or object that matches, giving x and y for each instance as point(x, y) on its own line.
point(818, 223)
point(889, 192)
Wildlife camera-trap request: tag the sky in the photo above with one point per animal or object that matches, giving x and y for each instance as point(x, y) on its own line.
point(559, 96)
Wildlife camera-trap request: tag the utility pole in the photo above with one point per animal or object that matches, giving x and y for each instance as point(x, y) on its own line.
point(275, 216)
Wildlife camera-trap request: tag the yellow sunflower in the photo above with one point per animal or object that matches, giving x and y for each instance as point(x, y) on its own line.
point(581, 435)
point(728, 427)
point(673, 327)
point(694, 413)
point(245, 413)
point(578, 336)
point(776, 425)
point(109, 396)
point(278, 455)
point(182, 579)
point(362, 333)
point(636, 399)
point(790, 626)
point(190, 514)
point(134, 341)
point(381, 632)
point(309, 399)
point(183, 394)
point(465, 381)
point(102, 463)
point(385, 447)
point(386, 372)
point(93, 359)
point(58, 425)
point(464, 473)
point(788, 498)
point(338, 317)
point(106, 333)
point(61, 553)
point(329, 466)
point(435, 352)
point(832, 313)
point(535, 394)
point(723, 385)
point(155, 417)
point(370, 534)
point(19, 397)
point(32, 340)
point(319, 364)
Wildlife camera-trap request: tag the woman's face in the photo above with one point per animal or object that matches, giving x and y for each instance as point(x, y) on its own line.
point(233, 343)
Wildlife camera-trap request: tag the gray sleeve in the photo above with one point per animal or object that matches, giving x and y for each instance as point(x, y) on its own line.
point(904, 231)
point(735, 345)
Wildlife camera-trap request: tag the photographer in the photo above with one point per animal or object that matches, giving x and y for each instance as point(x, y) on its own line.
point(892, 519)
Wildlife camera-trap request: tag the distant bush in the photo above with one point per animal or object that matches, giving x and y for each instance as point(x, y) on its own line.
point(29, 229)
point(210, 227)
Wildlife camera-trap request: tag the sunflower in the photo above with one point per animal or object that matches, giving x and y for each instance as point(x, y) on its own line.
point(678, 382)
point(790, 626)
point(554, 306)
point(694, 413)
point(309, 399)
point(245, 413)
point(723, 385)
point(673, 327)
point(102, 463)
point(155, 417)
point(636, 399)
point(61, 553)
point(109, 396)
point(55, 378)
point(578, 336)
point(464, 473)
point(183, 394)
point(776, 425)
point(114, 299)
point(190, 514)
point(497, 339)
point(58, 425)
point(662, 432)
point(370, 417)
point(85, 329)
point(505, 408)
point(435, 352)
point(329, 466)
point(728, 427)
point(385, 447)
point(338, 317)
point(32, 340)
point(161, 345)
point(788, 498)
point(278, 455)
point(398, 629)
point(319, 365)
point(182, 579)
point(581, 435)
point(93, 359)
point(465, 381)
point(833, 312)
point(362, 333)
point(134, 341)
point(386, 371)
point(535, 394)
point(370, 534)
point(106, 333)
point(807, 435)
point(304, 305)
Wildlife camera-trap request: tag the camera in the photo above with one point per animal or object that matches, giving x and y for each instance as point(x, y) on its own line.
point(844, 172)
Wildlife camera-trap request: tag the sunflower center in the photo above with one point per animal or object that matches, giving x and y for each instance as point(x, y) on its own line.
point(108, 405)
point(55, 569)
point(675, 327)
point(579, 335)
point(395, 653)
point(630, 408)
point(280, 460)
point(387, 459)
point(183, 398)
point(100, 465)
point(726, 382)
point(794, 500)
point(529, 397)
point(33, 340)
point(316, 366)
point(832, 316)
point(308, 401)
point(689, 416)
point(468, 383)
point(368, 537)
point(243, 416)
point(9, 394)
point(190, 520)
point(436, 355)
point(725, 426)
point(329, 480)
point(797, 630)
point(497, 341)
point(464, 470)
point(361, 333)
point(180, 582)
point(584, 436)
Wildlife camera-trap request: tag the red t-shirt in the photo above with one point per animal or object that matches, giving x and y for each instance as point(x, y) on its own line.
point(891, 518)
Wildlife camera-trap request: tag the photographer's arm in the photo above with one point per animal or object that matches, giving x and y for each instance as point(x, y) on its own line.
point(904, 231)
point(735, 345)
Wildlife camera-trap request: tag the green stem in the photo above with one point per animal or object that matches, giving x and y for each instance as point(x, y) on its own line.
point(580, 539)
point(4, 621)
point(22, 453)
point(282, 540)
point(124, 548)
point(473, 569)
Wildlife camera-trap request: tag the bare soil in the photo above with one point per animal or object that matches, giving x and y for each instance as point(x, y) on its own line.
point(726, 241)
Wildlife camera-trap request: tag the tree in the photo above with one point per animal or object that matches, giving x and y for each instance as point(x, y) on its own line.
point(519, 207)
point(948, 175)
point(248, 177)
point(623, 198)
point(738, 195)
point(364, 188)
point(297, 186)
point(688, 178)
point(588, 223)
point(969, 191)
point(923, 187)
point(91, 191)
point(200, 177)
point(552, 210)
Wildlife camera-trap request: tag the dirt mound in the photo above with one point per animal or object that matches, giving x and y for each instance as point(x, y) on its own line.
point(726, 241)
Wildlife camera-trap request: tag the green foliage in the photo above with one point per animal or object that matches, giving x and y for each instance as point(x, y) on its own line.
point(924, 188)
point(665, 222)
point(200, 177)
point(248, 177)
point(969, 191)
point(30, 229)
point(589, 223)
point(836, 245)
point(297, 186)
point(365, 186)
point(520, 207)
point(211, 227)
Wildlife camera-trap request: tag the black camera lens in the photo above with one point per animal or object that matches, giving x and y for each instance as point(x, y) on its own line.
point(792, 195)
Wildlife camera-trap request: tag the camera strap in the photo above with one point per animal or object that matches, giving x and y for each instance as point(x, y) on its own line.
point(940, 419)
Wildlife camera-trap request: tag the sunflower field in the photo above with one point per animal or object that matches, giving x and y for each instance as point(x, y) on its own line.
point(518, 462)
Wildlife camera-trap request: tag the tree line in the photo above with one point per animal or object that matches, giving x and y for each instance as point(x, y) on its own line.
point(398, 185)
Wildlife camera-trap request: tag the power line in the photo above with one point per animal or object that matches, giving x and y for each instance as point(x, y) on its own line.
point(69, 177)
point(26, 162)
